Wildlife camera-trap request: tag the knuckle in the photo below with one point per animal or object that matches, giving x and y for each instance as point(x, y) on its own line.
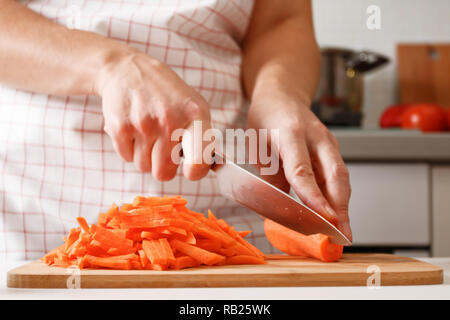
point(143, 125)
point(195, 109)
point(342, 208)
point(296, 127)
point(339, 171)
point(303, 170)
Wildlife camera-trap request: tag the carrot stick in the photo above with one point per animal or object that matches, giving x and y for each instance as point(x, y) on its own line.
point(73, 236)
point(167, 250)
point(201, 255)
point(152, 251)
point(295, 243)
point(83, 224)
point(184, 262)
point(244, 233)
point(209, 245)
point(109, 262)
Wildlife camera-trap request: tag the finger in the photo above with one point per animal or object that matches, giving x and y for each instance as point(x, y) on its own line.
point(278, 179)
point(195, 165)
point(122, 137)
point(336, 182)
point(143, 146)
point(118, 127)
point(163, 168)
point(300, 174)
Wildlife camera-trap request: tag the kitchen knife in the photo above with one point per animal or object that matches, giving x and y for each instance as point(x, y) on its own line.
point(249, 190)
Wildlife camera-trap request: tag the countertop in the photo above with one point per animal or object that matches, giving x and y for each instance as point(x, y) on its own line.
point(393, 145)
point(441, 291)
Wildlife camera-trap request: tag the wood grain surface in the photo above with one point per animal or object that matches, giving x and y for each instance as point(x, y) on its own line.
point(351, 270)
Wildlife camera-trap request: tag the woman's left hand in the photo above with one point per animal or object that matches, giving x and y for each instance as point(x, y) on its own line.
point(310, 159)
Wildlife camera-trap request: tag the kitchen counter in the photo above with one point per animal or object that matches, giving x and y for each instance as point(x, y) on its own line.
point(285, 293)
point(393, 145)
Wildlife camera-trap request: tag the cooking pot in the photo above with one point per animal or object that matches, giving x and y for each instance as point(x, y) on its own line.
point(339, 97)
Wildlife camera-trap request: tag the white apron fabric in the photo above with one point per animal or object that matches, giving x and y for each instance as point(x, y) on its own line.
point(56, 163)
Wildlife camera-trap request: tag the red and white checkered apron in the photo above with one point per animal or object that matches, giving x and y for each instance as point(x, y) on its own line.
point(56, 163)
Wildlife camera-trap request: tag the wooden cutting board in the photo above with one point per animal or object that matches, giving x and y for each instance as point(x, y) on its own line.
point(424, 73)
point(351, 270)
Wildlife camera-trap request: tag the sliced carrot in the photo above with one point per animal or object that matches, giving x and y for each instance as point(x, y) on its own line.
point(144, 260)
point(244, 233)
point(166, 250)
point(155, 201)
point(153, 251)
point(209, 245)
point(145, 224)
point(74, 234)
point(152, 233)
point(207, 232)
point(245, 260)
point(108, 262)
point(108, 237)
point(201, 255)
point(112, 211)
point(177, 230)
point(295, 243)
point(94, 248)
point(83, 224)
point(184, 262)
point(120, 251)
point(103, 220)
point(51, 255)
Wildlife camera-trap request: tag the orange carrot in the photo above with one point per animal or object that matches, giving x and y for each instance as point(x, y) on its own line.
point(153, 233)
point(108, 237)
point(209, 245)
point(295, 243)
point(73, 236)
point(201, 255)
point(108, 262)
point(83, 224)
point(184, 262)
point(167, 251)
point(244, 233)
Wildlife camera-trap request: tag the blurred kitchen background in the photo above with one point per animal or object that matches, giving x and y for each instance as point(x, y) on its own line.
point(400, 178)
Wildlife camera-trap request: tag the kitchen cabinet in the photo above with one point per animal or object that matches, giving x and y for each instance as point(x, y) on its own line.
point(401, 190)
point(441, 210)
point(390, 204)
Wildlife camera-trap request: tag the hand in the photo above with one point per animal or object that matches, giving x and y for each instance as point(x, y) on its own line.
point(309, 153)
point(144, 101)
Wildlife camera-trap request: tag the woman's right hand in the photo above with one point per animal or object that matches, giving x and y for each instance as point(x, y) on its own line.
point(144, 101)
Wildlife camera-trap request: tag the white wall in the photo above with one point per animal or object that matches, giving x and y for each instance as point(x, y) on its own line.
point(343, 23)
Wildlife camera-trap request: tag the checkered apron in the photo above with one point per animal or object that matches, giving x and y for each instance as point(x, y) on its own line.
point(56, 162)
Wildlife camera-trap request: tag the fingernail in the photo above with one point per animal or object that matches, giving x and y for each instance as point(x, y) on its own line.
point(347, 230)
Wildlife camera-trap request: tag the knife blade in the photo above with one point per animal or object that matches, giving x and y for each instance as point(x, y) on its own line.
point(254, 193)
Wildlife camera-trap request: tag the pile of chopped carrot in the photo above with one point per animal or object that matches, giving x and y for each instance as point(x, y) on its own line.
point(154, 233)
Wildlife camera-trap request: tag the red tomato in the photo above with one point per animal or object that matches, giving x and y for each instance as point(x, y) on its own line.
point(448, 119)
point(426, 117)
point(392, 116)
